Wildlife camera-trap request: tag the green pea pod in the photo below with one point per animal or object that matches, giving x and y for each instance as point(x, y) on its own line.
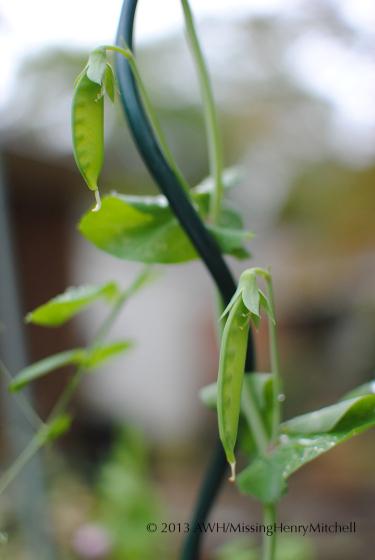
point(230, 378)
point(88, 130)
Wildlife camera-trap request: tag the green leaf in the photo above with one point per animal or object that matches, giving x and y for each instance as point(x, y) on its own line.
point(252, 297)
point(263, 479)
point(261, 385)
point(266, 304)
point(87, 358)
point(250, 291)
point(65, 306)
point(365, 389)
point(99, 354)
point(266, 477)
point(232, 177)
point(337, 417)
point(124, 231)
point(230, 218)
point(96, 66)
point(232, 301)
point(255, 319)
point(303, 439)
point(42, 367)
point(109, 82)
point(143, 229)
point(231, 240)
point(200, 195)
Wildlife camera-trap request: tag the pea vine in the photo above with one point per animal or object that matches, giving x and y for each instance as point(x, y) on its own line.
point(145, 229)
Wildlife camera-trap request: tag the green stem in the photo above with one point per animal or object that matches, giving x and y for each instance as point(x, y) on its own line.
point(24, 405)
point(212, 129)
point(269, 510)
point(67, 394)
point(127, 53)
point(63, 401)
point(269, 542)
point(275, 364)
point(27, 454)
point(254, 419)
point(103, 331)
point(210, 115)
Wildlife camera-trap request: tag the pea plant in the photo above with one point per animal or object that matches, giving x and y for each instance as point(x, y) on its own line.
point(181, 224)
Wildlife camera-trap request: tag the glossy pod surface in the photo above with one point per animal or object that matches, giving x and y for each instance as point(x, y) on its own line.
point(88, 129)
point(231, 372)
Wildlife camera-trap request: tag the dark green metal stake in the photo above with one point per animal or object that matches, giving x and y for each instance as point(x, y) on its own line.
point(205, 245)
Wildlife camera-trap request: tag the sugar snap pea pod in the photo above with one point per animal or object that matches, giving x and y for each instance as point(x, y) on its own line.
point(231, 372)
point(88, 131)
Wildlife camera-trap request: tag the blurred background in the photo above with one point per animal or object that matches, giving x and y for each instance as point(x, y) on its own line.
point(295, 85)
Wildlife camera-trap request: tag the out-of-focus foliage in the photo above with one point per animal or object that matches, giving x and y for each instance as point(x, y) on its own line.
point(288, 548)
point(127, 501)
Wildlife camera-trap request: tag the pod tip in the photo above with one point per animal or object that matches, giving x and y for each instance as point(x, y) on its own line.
point(232, 477)
point(98, 204)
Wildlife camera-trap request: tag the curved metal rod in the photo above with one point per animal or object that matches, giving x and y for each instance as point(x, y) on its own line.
point(205, 246)
point(159, 168)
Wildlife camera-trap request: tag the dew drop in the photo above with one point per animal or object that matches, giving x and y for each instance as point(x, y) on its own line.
point(305, 441)
point(281, 397)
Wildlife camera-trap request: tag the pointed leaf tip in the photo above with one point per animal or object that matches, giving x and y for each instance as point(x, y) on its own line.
point(65, 306)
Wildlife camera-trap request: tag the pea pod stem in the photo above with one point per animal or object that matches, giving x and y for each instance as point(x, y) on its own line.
point(275, 364)
point(212, 130)
point(269, 510)
point(255, 422)
point(274, 353)
point(254, 419)
point(128, 54)
point(210, 114)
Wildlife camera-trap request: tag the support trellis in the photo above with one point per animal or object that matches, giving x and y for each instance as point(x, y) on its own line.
point(206, 247)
